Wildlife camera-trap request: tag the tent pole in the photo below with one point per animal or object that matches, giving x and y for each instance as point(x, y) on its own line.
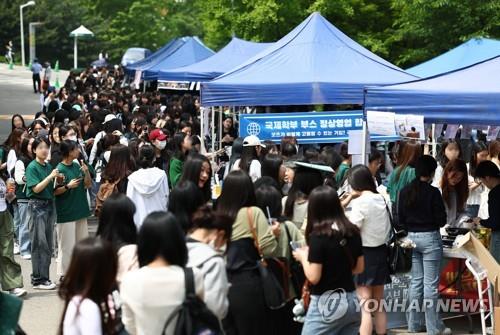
point(202, 140)
point(363, 143)
point(75, 53)
point(434, 144)
point(220, 127)
point(213, 129)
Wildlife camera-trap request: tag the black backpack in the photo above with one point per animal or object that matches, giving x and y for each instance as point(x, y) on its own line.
point(194, 318)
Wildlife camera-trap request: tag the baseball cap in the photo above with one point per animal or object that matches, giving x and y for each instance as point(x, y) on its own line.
point(157, 134)
point(109, 117)
point(252, 141)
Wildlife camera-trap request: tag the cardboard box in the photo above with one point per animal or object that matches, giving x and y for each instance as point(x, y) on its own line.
point(497, 321)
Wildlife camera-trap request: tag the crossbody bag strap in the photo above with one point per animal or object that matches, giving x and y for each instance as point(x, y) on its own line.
point(253, 231)
point(189, 285)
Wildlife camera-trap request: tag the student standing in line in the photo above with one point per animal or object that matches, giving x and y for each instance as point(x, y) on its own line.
point(40, 192)
point(72, 206)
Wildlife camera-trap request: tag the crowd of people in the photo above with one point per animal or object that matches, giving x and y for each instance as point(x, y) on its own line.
point(135, 161)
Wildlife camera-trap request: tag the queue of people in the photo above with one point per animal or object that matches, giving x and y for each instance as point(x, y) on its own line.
point(165, 234)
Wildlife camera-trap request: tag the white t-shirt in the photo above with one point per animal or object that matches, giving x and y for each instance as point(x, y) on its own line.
point(369, 213)
point(254, 171)
point(3, 192)
point(82, 317)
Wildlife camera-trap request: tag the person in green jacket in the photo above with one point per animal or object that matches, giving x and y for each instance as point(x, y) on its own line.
point(72, 206)
point(344, 167)
point(182, 145)
point(404, 173)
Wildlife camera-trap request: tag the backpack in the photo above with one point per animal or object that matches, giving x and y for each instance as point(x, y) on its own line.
point(105, 190)
point(194, 318)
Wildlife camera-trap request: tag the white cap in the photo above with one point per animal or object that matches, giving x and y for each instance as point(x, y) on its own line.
point(252, 141)
point(109, 117)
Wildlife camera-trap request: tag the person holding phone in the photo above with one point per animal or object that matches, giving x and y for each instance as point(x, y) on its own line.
point(71, 203)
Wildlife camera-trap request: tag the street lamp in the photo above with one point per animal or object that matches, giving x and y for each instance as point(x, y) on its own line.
point(29, 3)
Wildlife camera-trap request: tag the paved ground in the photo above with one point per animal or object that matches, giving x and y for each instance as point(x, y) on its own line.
point(17, 97)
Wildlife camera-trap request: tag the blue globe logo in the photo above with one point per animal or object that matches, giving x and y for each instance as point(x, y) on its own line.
point(253, 129)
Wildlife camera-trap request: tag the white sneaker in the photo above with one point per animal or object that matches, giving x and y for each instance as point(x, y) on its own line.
point(26, 257)
point(18, 292)
point(16, 248)
point(46, 286)
point(446, 331)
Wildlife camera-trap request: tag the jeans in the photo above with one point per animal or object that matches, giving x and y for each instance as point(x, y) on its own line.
point(21, 226)
point(426, 267)
point(40, 222)
point(472, 211)
point(329, 318)
point(495, 245)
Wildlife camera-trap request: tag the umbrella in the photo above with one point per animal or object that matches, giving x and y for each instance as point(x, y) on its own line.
point(79, 32)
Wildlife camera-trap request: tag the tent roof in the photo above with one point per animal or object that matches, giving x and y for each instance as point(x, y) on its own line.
point(81, 31)
point(313, 64)
point(189, 51)
point(471, 52)
point(234, 53)
point(466, 96)
point(156, 56)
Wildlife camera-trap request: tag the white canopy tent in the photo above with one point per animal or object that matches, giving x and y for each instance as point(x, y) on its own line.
point(79, 32)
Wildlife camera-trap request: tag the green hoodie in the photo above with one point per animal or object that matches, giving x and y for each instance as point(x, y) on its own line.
point(394, 186)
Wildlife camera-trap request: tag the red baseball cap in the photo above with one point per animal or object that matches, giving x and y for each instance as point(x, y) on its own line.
point(157, 134)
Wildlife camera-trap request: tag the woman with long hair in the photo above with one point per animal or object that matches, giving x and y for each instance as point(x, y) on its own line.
point(198, 169)
point(370, 213)
point(17, 121)
point(272, 166)
point(121, 231)
point(333, 255)
point(248, 313)
point(148, 186)
point(454, 187)
point(72, 207)
point(55, 142)
point(450, 150)
point(422, 214)
point(404, 173)
point(162, 256)
point(119, 167)
point(87, 287)
point(295, 204)
point(479, 154)
point(249, 161)
point(13, 145)
point(236, 150)
point(184, 200)
point(21, 204)
point(181, 146)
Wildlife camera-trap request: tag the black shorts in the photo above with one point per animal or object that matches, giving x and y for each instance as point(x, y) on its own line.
point(376, 267)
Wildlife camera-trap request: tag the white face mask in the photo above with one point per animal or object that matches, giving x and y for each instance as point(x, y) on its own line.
point(73, 138)
point(161, 145)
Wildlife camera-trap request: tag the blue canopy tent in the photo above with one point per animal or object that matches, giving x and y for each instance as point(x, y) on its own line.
point(155, 57)
point(234, 53)
point(471, 52)
point(189, 51)
point(466, 96)
point(313, 64)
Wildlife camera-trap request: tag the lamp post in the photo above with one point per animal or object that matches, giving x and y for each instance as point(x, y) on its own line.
point(29, 3)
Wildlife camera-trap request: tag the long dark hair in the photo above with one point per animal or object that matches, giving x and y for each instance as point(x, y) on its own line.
point(424, 167)
point(269, 197)
point(323, 211)
point(237, 192)
point(13, 141)
point(360, 178)
point(22, 119)
point(67, 146)
point(146, 156)
point(304, 182)
point(461, 189)
point(191, 172)
point(183, 201)
point(116, 222)
point(177, 142)
point(271, 165)
point(161, 235)
point(236, 150)
point(443, 160)
point(476, 149)
point(91, 275)
point(120, 164)
point(247, 156)
point(408, 154)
